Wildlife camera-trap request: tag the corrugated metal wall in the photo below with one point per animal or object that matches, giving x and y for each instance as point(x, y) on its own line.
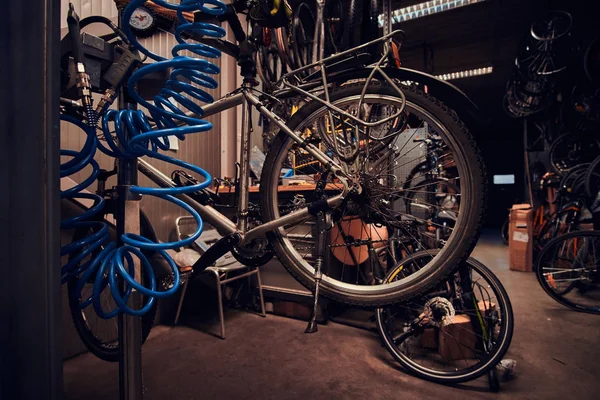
point(201, 149)
point(85, 8)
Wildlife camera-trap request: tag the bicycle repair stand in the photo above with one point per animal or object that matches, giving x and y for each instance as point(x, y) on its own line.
point(128, 220)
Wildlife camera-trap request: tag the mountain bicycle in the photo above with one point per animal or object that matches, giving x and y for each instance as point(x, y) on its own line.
point(353, 177)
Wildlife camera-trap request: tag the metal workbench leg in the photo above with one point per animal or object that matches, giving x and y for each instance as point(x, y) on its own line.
point(183, 292)
point(220, 301)
point(260, 294)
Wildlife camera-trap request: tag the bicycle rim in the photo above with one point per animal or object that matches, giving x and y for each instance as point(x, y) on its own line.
point(294, 244)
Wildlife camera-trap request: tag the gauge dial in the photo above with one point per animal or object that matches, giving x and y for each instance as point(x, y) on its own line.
point(143, 21)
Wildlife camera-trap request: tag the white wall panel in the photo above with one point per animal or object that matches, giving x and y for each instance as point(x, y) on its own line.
point(85, 8)
point(202, 149)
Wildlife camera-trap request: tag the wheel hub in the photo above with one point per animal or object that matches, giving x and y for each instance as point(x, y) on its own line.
point(438, 311)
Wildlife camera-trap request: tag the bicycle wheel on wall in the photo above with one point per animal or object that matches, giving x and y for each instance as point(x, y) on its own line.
point(375, 221)
point(592, 179)
point(453, 333)
point(568, 269)
point(569, 150)
point(334, 16)
point(302, 37)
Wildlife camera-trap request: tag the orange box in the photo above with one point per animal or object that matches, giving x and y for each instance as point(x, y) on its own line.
point(485, 306)
point(520, 238)
point(457, 340)
point(429, 339)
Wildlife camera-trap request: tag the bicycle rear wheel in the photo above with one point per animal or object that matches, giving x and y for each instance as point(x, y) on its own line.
point(569, 151)
point(374, 220)
point(303, 31)
point(568, 269)
point(454, 333)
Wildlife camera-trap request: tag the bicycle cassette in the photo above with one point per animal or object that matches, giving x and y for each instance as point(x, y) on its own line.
point(438, 311)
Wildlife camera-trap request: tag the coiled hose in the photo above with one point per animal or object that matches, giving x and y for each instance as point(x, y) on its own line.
point(82, 248)
point(129, 134)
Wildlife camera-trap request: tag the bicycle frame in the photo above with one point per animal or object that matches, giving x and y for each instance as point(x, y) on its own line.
point(223, 225)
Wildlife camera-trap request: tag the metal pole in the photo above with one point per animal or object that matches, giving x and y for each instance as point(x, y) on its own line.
point(529, 193)
point(387, 17)
point(244, 179)
point(30, 301)
point(128, 220)
point(318, 50)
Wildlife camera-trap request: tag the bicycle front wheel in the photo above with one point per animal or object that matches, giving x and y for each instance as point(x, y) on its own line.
point(371, 228)
point(454, 333)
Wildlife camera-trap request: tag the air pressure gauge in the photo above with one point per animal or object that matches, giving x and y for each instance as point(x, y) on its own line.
point(143, 22)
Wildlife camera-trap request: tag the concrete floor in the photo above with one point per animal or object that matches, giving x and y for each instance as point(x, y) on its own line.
point(556, 352)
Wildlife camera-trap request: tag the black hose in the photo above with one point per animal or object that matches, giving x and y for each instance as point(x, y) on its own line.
point(106, 21)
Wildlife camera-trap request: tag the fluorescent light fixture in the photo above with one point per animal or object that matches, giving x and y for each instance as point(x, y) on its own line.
point(424, 9)
point(466, 74)
point(504, 179)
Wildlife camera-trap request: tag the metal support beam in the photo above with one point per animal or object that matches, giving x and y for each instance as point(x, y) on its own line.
point(387, 17)
point(128, 220)
point(30, 338)
point(130, 329)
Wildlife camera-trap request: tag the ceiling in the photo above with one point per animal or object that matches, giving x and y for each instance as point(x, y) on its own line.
point(474, 36)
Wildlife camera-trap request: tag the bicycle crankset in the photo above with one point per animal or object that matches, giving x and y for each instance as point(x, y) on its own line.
point(254, 254)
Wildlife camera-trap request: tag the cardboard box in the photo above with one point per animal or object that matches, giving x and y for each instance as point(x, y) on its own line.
point(485, 306)
point(429, 339)
point(457, 341)
point(520, 238)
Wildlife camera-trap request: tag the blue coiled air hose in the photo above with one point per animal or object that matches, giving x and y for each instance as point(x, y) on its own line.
point(84, 247)
point(182, 91)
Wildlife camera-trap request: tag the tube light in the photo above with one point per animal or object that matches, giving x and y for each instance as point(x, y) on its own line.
point(466, 74)
point(424, 9)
